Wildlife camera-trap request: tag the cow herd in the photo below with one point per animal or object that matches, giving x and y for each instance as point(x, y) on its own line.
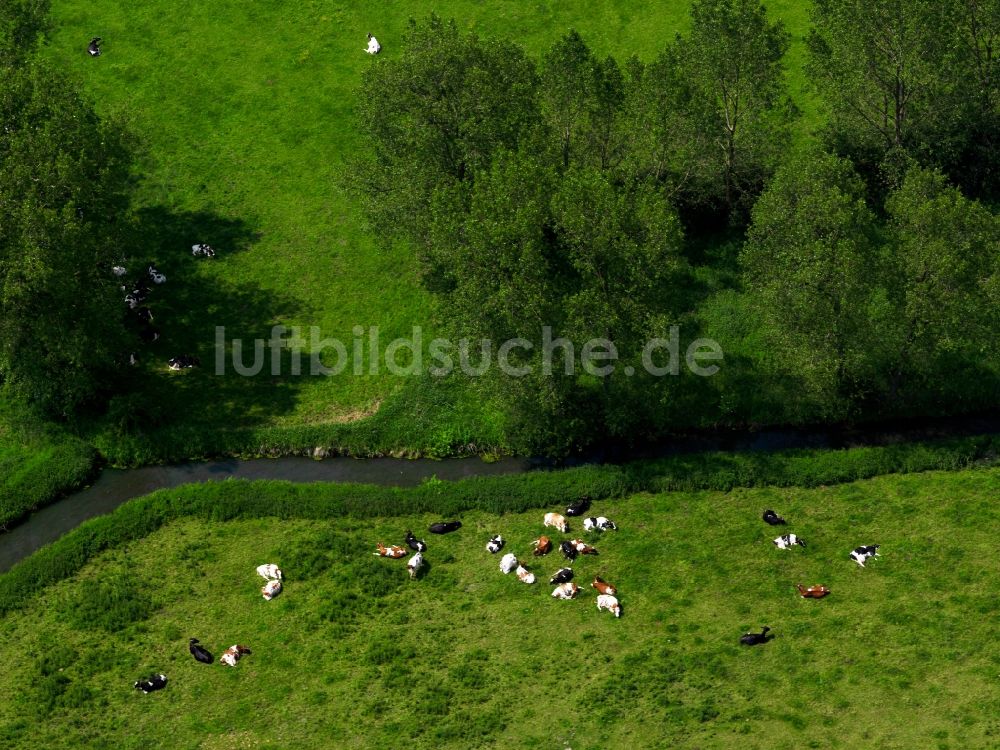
point(136, 294)
point(860, 555)
point(562, 580)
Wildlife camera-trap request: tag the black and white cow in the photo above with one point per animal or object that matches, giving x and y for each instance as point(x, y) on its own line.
point(787, 541)
point(495, 544)
point(153, 682)
point(580, 507)
point(183, 362)
point(202, 250)
point(861, 555)
point(772, 518)
point(94, 48)
point(563, 575)
point(599, 524)
point(569, 550)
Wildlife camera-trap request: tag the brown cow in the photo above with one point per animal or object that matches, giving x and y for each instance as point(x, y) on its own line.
point(813, 592)
point(603, 586)
point(543, 546)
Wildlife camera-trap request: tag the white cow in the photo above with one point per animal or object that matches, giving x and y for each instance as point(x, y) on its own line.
point(508, 562)
point(373, 46)
point(269, 571)
point(567, 590)
point(414, 564)
point(610, 603)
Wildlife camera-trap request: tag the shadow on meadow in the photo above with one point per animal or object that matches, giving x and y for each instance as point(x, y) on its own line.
point(198, 296)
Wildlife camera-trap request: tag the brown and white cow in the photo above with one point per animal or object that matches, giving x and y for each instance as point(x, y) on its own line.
point(557, 521)
point(567, 590)
point(524, 575)
point(232, 654)
point(393, 551)
point(271, 589)
point(608, 602)
point(603, 587)
point(582, 547)
point(543, 546)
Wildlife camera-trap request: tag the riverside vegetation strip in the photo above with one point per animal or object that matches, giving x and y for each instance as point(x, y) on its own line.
point(351, 653)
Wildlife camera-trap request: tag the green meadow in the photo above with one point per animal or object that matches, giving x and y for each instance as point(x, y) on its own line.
point(243, 114)
point(354, 655)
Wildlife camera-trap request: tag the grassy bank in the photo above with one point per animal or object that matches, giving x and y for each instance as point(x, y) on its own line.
point(354, 655)
point(38, 463)
point(232, 500)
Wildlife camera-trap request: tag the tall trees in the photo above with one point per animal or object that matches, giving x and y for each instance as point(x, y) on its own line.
point(435, 117)
point(63, 176)
point(911, 76)
point(734, 58)
point(809, 264)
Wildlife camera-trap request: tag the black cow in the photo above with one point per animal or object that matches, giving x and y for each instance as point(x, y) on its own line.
point(580, 507)
point(754, 639)
point(773, 518)
point(199, 653)
point(569, 550)
point(445, 526)
point(94, 48)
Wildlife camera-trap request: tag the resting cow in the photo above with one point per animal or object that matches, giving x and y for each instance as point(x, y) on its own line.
point(233, 654)
point(608, 602)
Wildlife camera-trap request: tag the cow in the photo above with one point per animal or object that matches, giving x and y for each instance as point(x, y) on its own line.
point(543, 546)
point(118, 271)
point(198, 652)
point(94, 50)
point(563, 575)
point(524, 575)
point(787, 541)
point(603, 587)
point(508, 562)
point(583, 548)
point(156, 276)
point(580, 507)
point(414, 564)
point(233, 654)
point(495, 544)
point(608, 602)
point(813, 592)
point(599, 524)
point(151, 683)
point(373, 46)
point(861, 555)
point(271, 589)
point(269, 571)
point(772, 518)
point(567, 590)
point(445, 527)
point(557, 521)
point(569, 550)
point(415, 544)
point(392, 551)
point(183, 362)
point(202, 250)
point(755, 639)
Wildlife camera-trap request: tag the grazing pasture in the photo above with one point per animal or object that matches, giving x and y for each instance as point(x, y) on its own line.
point(244, 112)
point(354, 654)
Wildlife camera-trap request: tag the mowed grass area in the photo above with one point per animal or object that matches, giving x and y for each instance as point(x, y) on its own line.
point(353, 655)
point(244, 112)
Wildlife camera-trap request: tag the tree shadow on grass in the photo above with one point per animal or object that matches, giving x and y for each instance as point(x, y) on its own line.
point(199, 295)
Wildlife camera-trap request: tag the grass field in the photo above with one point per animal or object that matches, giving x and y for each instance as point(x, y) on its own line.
point(354, 655)
point(244, 111)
